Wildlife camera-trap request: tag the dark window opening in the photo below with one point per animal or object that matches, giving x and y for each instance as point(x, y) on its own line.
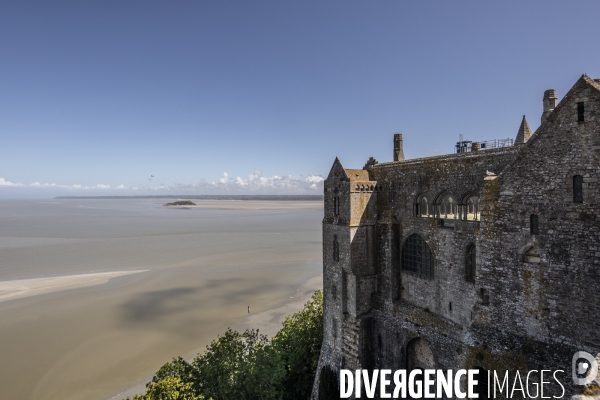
point(580, 112)
point(485, 297)
point(336, 249)
point(578, 189)
point(417, 257)
point(450, 306)
point(334, 291)
point(470, 263)
point(534, 226)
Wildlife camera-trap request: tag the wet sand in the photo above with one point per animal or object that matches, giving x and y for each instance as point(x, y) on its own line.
point(254, 205)
point(104, 326)
point(268, 322)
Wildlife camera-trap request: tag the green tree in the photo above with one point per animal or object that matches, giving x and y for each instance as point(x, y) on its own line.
point(298, 344)
point(173, 381)
point(239, 366)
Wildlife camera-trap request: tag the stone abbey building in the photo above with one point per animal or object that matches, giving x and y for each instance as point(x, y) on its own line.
point(485, 258)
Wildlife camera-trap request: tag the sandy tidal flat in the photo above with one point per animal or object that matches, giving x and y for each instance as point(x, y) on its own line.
point(19, 288)
point(97, 295)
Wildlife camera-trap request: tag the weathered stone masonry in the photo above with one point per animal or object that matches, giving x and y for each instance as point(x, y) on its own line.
point(512, 237)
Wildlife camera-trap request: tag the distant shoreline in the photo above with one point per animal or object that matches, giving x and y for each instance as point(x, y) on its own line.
point(205, 197)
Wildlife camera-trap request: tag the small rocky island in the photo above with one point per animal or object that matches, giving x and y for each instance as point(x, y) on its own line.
point(181, 203)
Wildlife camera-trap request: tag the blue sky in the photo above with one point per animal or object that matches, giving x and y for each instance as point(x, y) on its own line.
point(98, 96)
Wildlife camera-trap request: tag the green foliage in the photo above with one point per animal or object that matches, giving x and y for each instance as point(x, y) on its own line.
point(248, 366)
point(299, 343)
point(328, 384)
point(239, 366)
point(169, 388)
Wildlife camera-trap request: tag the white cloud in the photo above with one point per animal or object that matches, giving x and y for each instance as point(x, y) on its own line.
point(4, 182)
point(224, 178)
point(255, 183)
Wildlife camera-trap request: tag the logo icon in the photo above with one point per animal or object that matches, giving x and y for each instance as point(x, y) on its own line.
point(585, 368)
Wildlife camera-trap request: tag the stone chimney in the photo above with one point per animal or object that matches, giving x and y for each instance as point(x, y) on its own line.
point(398, 150)
point(550, 99)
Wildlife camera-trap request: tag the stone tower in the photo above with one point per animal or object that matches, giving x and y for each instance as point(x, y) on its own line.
point(398, 150)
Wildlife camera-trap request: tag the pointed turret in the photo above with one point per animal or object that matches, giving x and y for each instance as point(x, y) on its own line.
point(524, 132)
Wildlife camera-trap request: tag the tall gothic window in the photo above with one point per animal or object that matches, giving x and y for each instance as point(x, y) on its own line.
point(580, 112)
point(578, 189)
point(336, 249)
point(470, 263)
point(534, 224)
point(417, 257)
point(336, 203)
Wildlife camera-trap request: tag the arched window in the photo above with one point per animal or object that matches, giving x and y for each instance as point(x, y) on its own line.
point(470, 263)
point(471, 209)
point(534, 226)
point(448, 207)
point(336, 249)
point(423, 208)
point(419, 357)
point(329, 386)
point(578, 189)
point(417, 257)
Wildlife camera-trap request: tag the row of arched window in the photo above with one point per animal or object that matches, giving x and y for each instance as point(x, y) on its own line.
point(446, 206)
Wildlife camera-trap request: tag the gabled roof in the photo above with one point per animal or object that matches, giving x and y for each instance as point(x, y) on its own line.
point(351, 174)
point(542, 132)
point(524, 132)
point(581, 82)
point(336, 169)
